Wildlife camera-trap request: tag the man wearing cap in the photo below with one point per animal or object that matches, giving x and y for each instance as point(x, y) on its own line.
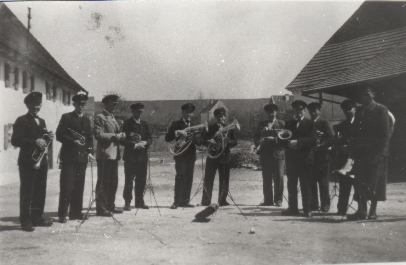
point(220, 164)
point(297, 168)
point(138, 139)
point(319, 159)
point(272, 155)
point(185, 162)
point(108, 135)
point(75, 133)
point(346, 131)
point(371, 150)
point(28, 131)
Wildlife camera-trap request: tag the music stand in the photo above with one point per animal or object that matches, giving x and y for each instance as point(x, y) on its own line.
point(92, 201)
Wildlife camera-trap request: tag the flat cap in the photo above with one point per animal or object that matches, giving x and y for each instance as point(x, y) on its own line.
point(34, 97)
point(109, 98)
point(299, 103)
point(189, 107)
point(219, 112)
point(270, 107)
point(314, 106)
point(137, 106)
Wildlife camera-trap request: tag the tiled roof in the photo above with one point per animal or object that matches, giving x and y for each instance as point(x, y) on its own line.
point(354, 60)
point(14, 36)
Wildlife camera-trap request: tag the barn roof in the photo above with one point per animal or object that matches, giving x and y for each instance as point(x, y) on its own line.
point(15, 37)
point(353, 61)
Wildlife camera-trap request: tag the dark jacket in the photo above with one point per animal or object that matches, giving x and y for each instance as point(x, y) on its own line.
point(25, 132)
point(374, 131)
point(142, 129)
point(303, 134)
point(170, 136)
point(231, 141)
point(82, 125)
point(269, 147)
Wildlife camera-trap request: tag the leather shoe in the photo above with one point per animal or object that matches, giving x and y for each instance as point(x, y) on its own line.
point(78, 217)
point(42, 222)
point(278, 203)
point(62, 219)
point(266, 204)
point(308, 214)
point(325, 209)
point(357, 216)
point(174, 206)
point(117, 211)
point(27, 227)
point(103, 213)
point(187, 205)
point(290, 212)
point(224, 203)
point(372, 216)
point(127, 206)
point(141, 206)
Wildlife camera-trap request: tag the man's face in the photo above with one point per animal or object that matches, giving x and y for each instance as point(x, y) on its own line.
point(299, 112)
point(221, 119)
point(111, 106)
point(271, 114)
point(187, 115)
point(137, 113)
point(79, 106)
point(349, 114)
point(366, 97)
point(34, 108)
point(314, 113)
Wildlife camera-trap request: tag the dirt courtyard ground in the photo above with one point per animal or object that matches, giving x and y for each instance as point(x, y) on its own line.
point(173, 237)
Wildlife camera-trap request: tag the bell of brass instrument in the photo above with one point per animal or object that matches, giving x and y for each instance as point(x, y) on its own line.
point(284, 134)
point(39, 153)
point(281, 135)
point(186, 138)
point(78, 136)
point(214, 150)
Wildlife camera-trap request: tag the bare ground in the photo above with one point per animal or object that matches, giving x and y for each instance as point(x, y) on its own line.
point(173, 237)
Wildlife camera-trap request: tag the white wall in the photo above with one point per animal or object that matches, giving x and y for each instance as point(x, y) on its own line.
point(12, 106)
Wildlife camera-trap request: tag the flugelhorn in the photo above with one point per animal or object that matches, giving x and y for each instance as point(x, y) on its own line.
point(39, 153)
point(78, 136)
point(185, 138)
point(214, 150)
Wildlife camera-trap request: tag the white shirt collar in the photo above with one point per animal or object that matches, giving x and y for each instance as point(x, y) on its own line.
point(137, 120)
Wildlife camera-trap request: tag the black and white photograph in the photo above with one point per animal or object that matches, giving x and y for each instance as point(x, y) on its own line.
point(202, 132)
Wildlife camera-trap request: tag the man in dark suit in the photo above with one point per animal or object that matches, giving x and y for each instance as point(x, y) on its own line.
point(320, 158)
point(345, 133)
point(272, 155)
point(297, 153)
point(371, 150)
point(108, 135)
point(221, 163)
point(184, 162)
point(28, 132)
point(138, 139)
point(75, 133)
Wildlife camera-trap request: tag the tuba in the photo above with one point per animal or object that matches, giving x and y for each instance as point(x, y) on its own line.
point(185, 139)
point(39, 153)
point(214, 150)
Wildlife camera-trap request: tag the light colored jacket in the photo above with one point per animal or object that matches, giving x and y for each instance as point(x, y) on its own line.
point(106, 128)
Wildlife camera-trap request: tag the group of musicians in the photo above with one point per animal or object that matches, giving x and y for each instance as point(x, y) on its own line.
point(306, 149)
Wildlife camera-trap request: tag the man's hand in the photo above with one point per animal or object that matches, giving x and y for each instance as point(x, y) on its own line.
point(77, 142)
point(91, 158)
point(41, 143)
point(292, 144)
point(51, 135)
point(180, 133)
point(211, 141)
point(140, 145)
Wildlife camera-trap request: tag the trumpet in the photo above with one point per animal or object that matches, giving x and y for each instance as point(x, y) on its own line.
point(214, 150)
point(78, 136)
point(136, 138)
point(185, 138)
point(39, 153)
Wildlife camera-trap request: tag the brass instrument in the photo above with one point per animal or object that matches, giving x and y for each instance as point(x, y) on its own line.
point(136, 138)
point(78, 136)
point(39, 153)
point(214, 150)
point(185, 138)
point(278, 135)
